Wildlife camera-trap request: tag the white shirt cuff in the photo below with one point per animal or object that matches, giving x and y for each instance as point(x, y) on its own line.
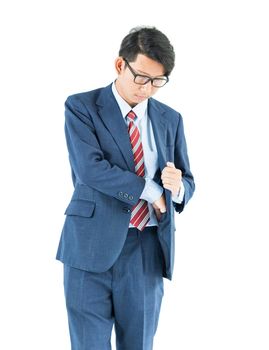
point(152, 191)
point(180, 196)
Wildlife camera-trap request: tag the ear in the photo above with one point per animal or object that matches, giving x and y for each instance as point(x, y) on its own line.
point(119, 64)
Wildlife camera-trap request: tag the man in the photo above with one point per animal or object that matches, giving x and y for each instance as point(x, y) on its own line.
point(130, 171)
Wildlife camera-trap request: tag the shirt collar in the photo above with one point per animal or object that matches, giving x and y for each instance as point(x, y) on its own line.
point(140, 109)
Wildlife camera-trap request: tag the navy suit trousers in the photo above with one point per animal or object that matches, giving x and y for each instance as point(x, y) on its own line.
point(128, 296)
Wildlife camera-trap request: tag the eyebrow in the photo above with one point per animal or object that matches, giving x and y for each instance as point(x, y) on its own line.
point(138, 70)
point(148, 75)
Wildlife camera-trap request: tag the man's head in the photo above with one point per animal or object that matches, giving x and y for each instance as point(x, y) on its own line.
point(147, 52)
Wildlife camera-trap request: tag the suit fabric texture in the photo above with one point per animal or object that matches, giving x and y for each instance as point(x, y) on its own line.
point(105, 184)
point(128, 296)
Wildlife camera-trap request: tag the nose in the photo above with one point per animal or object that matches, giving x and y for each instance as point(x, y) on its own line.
point(146, 87)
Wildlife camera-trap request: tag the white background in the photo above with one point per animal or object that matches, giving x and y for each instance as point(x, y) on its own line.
point(218, 298)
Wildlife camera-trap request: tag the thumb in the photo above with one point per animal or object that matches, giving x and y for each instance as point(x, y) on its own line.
point(170, 164)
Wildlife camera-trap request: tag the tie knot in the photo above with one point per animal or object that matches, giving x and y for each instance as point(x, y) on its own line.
point(131, 115)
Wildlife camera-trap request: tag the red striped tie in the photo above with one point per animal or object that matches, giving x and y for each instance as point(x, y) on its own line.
point(140, 212)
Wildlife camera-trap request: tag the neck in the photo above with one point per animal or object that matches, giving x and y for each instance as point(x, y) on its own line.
point(120, 92)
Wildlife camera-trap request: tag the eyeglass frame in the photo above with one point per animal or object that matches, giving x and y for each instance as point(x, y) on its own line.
point(145, 76)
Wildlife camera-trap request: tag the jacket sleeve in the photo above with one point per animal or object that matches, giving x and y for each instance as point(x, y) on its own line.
point(87, 159)
point(182, 163)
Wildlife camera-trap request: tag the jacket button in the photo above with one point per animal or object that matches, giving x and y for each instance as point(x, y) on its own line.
point(126, 210)
point(125, 195)
point(120, 194)
point(131, 198)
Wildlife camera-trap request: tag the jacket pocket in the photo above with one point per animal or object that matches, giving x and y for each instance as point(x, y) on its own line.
point(80, 207)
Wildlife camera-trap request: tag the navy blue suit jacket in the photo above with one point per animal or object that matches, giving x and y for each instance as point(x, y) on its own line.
point(105, 184)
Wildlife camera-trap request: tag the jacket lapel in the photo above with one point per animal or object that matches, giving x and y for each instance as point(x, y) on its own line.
point(159, 126)
point(111, 115)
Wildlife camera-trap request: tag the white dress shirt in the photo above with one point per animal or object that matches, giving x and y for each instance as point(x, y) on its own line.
point(152, 191)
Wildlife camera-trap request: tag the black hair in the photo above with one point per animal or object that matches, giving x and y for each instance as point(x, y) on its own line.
point(150, 42)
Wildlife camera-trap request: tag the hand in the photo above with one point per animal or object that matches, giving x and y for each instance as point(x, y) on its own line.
point(171, 178)
point(159, 207)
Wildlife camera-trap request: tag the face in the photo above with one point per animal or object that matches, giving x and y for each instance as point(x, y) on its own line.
point(131, 92)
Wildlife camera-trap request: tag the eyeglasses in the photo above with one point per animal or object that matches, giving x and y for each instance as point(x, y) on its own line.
point(144, 79)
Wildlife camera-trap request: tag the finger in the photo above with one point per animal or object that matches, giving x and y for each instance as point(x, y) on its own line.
point(168, 187)
point(169, 174)
point(167, 182)
point(170, 164)
point(169, 170)
point(172, 179)
point(172, 185)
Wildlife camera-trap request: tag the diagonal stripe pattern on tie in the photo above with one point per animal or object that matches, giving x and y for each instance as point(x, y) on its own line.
point(140, 212)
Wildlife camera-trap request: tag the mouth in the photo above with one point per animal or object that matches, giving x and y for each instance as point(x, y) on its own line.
point(141, 97)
